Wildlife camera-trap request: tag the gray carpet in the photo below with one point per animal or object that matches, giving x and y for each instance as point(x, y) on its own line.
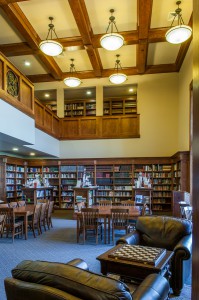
point(58, 244)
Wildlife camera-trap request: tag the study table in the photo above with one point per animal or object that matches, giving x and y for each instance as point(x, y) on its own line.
point(105, 213)
point(25, 212)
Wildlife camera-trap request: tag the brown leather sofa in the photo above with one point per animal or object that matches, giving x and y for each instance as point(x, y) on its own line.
point(42, 280)
point(171, 233)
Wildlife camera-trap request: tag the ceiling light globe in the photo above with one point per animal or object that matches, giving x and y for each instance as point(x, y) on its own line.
point(117, 78)
point(178, 34)
point(112, 41)
point(72, 81)
point(51, 48)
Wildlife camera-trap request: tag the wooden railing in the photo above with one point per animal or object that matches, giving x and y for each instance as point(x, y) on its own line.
point(18, 91)
point(15, 88)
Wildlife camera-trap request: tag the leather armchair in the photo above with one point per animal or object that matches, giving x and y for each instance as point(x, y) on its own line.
point(43, 280)
point(170, 233)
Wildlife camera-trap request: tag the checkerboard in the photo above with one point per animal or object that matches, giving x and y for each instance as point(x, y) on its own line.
point(140, 254)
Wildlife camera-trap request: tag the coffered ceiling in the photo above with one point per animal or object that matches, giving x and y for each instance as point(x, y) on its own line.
point(79, 24)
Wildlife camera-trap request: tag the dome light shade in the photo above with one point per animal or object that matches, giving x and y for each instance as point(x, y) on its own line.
point(49, 46)
point(117, 78)
point(111, 41)
point(179, 33)
point(72, 81)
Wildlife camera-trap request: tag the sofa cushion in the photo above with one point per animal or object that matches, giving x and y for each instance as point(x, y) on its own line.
point(78, 282)
point(164, 232)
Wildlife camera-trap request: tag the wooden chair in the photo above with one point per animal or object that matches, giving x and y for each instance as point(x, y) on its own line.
point(119, 220)
point(43, 220)
point(90, 223)
point(21, 203)
point(105, 202)
point(49, 214)
point(128, 203)
point(132, 222)
point(34, 220)
point(9, 224)
point(12, 204)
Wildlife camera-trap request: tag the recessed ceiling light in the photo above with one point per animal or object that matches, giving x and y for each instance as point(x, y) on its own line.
point(15, 149)
point(131, 90)
point(47, 95)
point(32, 153)
point(27, 63)
point(88, 92)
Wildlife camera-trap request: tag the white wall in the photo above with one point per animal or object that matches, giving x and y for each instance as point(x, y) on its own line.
point(16, 124)
point(46, 143)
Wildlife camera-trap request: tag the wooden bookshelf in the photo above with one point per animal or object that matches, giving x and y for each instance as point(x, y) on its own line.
point(120, 106)
point(79, 108)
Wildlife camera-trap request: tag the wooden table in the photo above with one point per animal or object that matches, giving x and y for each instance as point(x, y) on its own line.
point(25, 212)
point(132, 269)
point(105, 213)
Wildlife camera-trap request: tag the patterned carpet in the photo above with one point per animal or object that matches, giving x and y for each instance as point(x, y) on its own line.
point(58, 244)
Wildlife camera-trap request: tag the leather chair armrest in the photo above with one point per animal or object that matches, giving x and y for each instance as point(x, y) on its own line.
point(79, 263)
point(132, 238)
point(184, 247)
point(153, 287)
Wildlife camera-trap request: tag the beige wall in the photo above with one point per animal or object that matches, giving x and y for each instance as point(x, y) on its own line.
point(185, 78)
point(158, 109)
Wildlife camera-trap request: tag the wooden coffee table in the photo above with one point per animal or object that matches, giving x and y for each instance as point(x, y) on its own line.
point(133, 269)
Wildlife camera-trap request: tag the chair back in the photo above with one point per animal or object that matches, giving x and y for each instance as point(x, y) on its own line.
point(128, 203)
point(105, 202)
point(12, 204)
point(50, 208)
point(37, 213)
point(4, 205)
point(7, 213)
point(21, 203)
point(90, 217)
point(43, 211)
point(120, 218)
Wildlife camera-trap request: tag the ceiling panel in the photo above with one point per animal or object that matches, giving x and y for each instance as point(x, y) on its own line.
point(81, 60)
point(34, 68)
point(127, 57)
point(162, 10)
point(125, 14)
point(162, 52)
point(38, 12)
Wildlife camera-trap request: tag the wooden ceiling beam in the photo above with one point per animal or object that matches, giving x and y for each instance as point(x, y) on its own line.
point(17, 17)
point(144, 21)
point(80, 14)
point(6, 2)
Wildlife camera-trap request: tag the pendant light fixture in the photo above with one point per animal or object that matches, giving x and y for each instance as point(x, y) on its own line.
point(72, 81)
point(112, 41)
point(118, 78)
point(49, 46)
point(179, 33)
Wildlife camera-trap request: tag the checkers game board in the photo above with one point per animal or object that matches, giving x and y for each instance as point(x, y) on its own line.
point(140, 254)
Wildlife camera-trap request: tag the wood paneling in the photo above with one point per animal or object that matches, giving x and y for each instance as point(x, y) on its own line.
point(26, 95)
point(100, 127)
point(48, 120)
point(195, 153)
point(25, 99)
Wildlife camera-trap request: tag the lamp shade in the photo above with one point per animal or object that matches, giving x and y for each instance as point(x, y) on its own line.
point(51, 48)
point(118, 78)
point(72, 81)
point(178, 34)
point(112, 41)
